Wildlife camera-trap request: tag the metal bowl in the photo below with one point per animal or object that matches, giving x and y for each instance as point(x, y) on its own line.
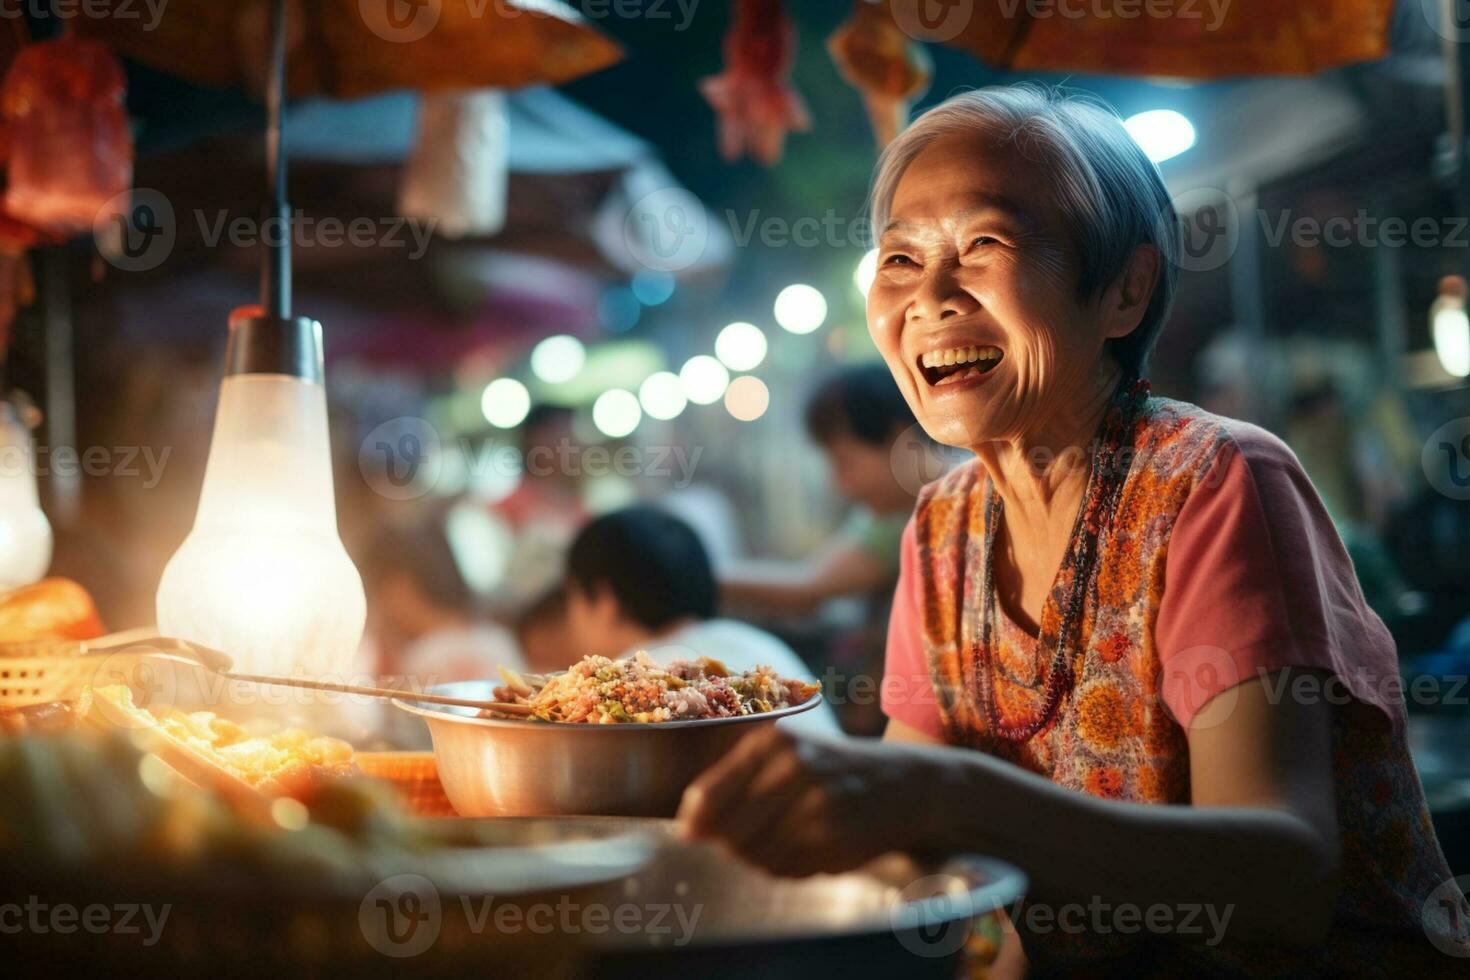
point(894, 917)
point(493, 767)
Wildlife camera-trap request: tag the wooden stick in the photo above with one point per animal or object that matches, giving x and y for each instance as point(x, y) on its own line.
point(504, 707)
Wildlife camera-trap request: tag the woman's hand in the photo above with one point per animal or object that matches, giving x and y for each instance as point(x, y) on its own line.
point(797, 805)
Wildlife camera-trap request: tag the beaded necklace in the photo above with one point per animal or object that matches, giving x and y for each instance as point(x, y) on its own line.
point(1104, 485)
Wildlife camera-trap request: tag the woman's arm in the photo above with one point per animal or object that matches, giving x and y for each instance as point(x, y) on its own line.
point(842, 569)
point(1259, 845)
point(897, 731)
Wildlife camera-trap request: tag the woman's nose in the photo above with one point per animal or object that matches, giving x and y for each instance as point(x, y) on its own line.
point(940, 295)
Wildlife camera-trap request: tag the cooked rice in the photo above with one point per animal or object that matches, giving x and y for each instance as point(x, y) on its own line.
point(599, 691)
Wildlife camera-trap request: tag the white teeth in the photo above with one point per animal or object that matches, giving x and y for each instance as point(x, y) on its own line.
point(958, 355)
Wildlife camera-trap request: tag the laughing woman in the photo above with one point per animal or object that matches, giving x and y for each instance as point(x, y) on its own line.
point(1128, 651)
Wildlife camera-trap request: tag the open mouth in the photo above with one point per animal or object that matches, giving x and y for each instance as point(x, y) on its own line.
point(954, 364)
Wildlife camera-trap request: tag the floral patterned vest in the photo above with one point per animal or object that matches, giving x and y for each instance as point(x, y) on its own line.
point(1112, 736)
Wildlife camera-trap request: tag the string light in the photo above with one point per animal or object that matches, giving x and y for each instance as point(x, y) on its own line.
point(662, 395)
point(704, 379)
point(800, 308)
point(505, 403)
point(616, 413)
point(742, 346)
point(558, 358)
point(747, 398)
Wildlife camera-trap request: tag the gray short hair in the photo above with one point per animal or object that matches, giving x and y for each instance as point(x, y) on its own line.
point(1109, 190)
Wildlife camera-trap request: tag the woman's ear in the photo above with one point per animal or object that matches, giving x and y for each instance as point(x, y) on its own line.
point(1126, 299)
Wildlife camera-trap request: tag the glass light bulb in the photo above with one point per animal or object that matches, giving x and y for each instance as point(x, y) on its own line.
point(263, 575)
point(25, 534)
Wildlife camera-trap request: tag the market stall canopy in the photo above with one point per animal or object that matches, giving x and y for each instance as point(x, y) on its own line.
point(1243, 37)
point(585, 175)
point(550, 133)
point(1292, 124)
point(346, 48)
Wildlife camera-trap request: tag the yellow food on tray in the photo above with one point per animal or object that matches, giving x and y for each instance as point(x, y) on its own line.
point(96, 797)
point(289, 762)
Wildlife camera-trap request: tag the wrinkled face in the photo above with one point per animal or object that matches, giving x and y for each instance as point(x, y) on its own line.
point(861, 472)
point(975, 306)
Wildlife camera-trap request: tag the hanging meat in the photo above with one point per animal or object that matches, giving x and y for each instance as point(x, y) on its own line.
point(888, 67)
point(755, 101)
point(69, 149)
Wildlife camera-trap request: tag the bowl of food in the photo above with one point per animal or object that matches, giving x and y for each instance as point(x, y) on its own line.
point(605, 737)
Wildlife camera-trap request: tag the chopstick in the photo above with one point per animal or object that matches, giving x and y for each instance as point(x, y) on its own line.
point(197, 655)
point(504, 707)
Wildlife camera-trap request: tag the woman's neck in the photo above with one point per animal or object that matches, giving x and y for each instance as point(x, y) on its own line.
point(1041, 476)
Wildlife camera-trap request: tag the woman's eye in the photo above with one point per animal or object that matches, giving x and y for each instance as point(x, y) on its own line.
point(898, 260)
point(985, 240)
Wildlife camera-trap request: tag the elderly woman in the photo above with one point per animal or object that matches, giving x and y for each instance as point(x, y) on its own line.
point(1127, 650)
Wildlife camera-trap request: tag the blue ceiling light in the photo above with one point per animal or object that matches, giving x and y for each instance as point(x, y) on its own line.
point(1161, 133)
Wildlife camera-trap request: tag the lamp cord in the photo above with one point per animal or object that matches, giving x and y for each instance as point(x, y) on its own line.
point(275, 285)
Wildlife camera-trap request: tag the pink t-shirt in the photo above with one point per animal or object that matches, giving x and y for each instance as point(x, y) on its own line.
point(1256, 579)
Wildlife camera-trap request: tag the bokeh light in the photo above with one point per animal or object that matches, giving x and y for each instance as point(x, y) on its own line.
point(616, 413)
point(662, 395)
point(652, 287)
point(704, 379)
point(505, 403)
point(866, 271)
point(1451, 330)
point(618, 309)
point(747, 398)
point(558, 358)
point(800, 308)
point(742, 346)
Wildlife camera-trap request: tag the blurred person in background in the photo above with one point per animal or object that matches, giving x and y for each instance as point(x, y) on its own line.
point(878, 458)
point(1328, 441)
point(545, 636)
point(423, 618)
point(856, 418)
point(540, 516)
point(640, 579)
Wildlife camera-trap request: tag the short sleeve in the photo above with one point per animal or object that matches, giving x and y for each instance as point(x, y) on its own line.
point(1257, 579)
point(908, 690)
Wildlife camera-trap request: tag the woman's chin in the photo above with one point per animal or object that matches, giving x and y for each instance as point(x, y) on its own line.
point(958, 432)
